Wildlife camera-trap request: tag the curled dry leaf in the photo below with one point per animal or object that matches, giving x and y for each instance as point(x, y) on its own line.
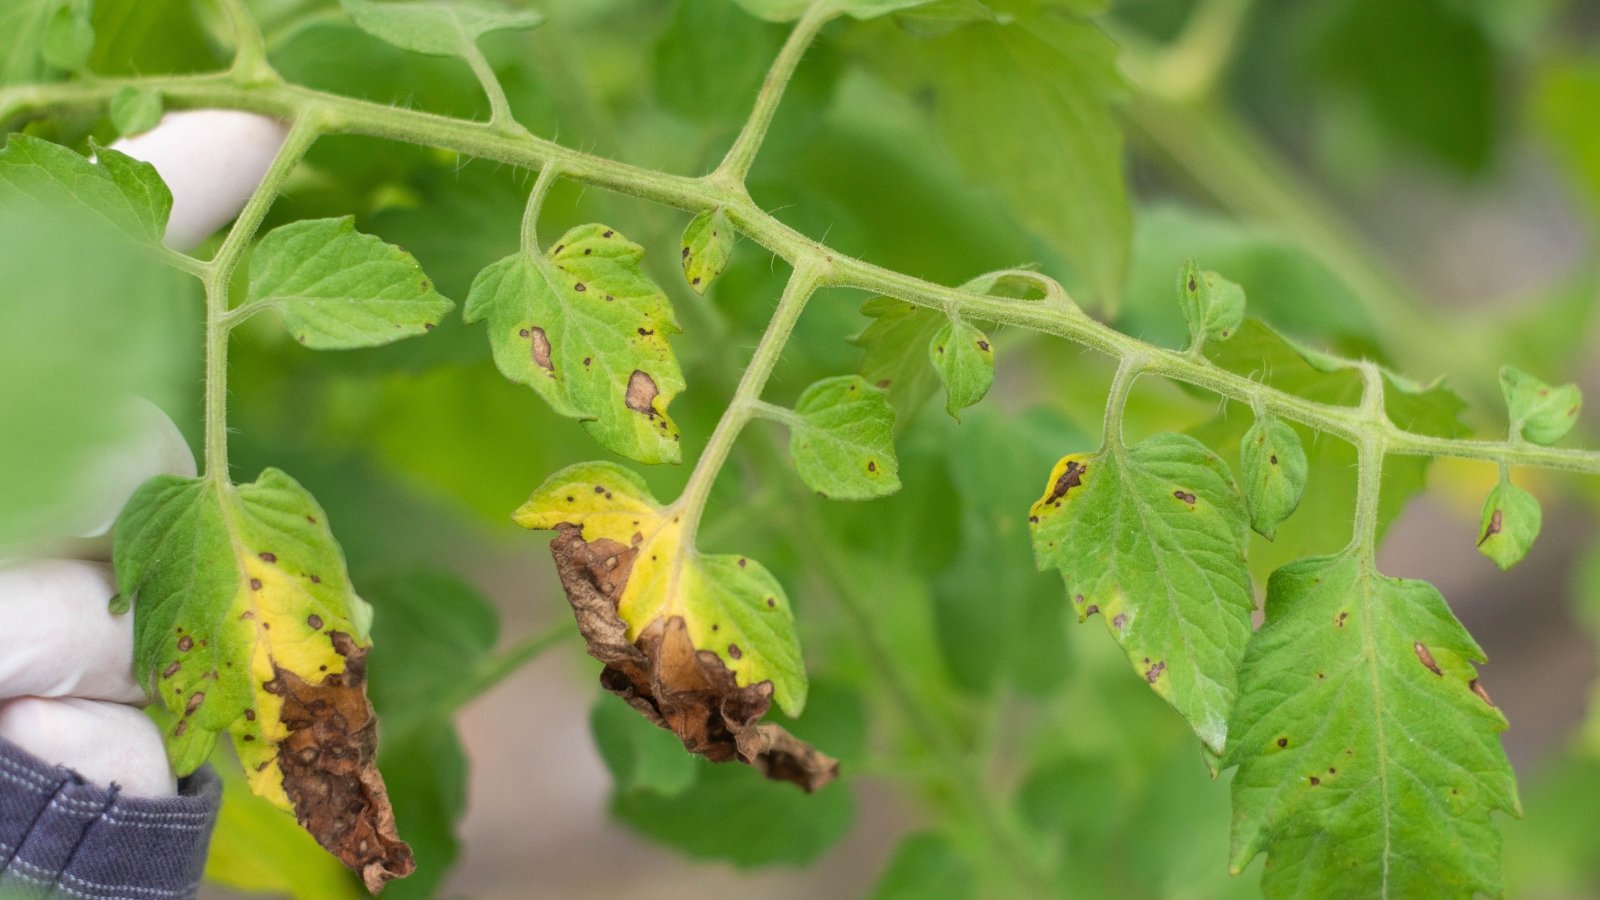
point(700, 645)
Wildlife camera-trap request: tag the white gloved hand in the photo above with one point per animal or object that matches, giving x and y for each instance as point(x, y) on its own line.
point(67, 693)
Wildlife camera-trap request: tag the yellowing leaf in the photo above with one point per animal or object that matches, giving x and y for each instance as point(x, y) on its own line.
point(246, 622)
point(700, 644)
point(586, 328)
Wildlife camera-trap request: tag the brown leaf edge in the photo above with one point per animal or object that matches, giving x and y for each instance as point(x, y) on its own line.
point(330, 771)
point(686, 691)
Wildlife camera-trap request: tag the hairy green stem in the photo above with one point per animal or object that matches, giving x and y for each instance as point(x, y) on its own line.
point(249, 48)
point(803, 282)
point(742, 155)
point(218, 275)
point(530, 212)
point(1370, 450)
point(499, 106)
point(349, 116)
point(1117, 402)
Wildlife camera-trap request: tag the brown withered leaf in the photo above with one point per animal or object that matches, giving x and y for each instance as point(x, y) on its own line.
point(662, 675)
point(329, 763)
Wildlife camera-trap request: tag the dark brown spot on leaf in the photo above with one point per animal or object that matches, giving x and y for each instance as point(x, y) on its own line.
point(1119, 620)
point(670, 682)
point(872, 465)
point(1153, 673)
point(1071, 478)
point(1283, 742)
point(641, 396)
point(171, 669)
point(249, 715)
point(315, 621)
point(268, 557)
point(539, 349)
point(1426, 658)
point(1315, 781)
point(1273, 459)
point(1339, 620)
point(984, 346)
point(1185, 496)
point(580, 287)
point(195, 699)
point(735, 652)
point(186, 643)
point(255, 584)
point(1496, 522)
point(1478, 689)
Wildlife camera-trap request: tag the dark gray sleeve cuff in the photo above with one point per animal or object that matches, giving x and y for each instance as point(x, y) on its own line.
point(61, 836)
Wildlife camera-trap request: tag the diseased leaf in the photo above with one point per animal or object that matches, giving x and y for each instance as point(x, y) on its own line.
point(707, 246)
point(1509, 524)
point(135, 110)
point(255, 847)
point(437, 27)
point(1026, 104)
point(962, 356)
point(246, 622)
point(118, 192)
point(586, 328)
point(337, 288)
point(1212, 305)
point(700, 644)
point(1369, 754)
point(1151, 537)
point(1274, 472)
point(842, 439)
point(1539, 412)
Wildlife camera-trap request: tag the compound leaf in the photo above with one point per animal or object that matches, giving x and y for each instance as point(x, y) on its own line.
point(1152, 538)
point(707, 247)
point(437, 27)
point(1539, 412)
point(1274, 472)
point(337, 288)
point(700, 644)
point(586, 328)
point(842, 439)
point(119, 192)
point(964, 359)
point(1509, 524)
point(1369, 755)
point(246, 622)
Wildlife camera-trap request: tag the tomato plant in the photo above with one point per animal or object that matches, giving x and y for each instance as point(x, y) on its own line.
point(849, 355)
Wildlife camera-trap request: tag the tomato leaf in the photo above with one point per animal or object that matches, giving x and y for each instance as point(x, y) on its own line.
point(1539, 412)
point(1151, 537)
point(1509, 524)
point(1369, 754)
point(1274, 472)
point(437, 27)
point(587, 329)
point(337, 288)
point(964, 359)
point(842, 439)
point(246, 622)
point(707, 247)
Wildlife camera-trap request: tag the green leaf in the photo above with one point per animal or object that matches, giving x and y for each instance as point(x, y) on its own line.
point(962, 356)
point(842, 439)
point(244, 618)
point(135, 110)
point(639, 755)
point(731, 605)
point(1212, 305)
point(1274, 472)
point(1027, 106)
point(707, 246)
point(119, 192)
point(337, 288)
point(1509, 524)
point(926, 866)
point(23, 25)
point(69, 36)
point(1539, 412)
point(1151, 537)
point(438, 27)
point(586, 328)
point(1369, 755)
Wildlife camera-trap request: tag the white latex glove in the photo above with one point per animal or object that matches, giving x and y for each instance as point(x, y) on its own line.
point(67, 693)
point(212, 160)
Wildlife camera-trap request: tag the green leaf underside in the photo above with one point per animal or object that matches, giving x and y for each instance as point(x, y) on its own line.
point(228, 582)
point(437, 27)
point(1212, 305)
point(1508, 525)
point(842, 439)
point(1539, 412)
point(587, 329)
point(135, 110)
point(964, 359)
point(731, 605)
point(707, 247)
point(337, 288)
point(1369, 756)
point(1151, 537)
point(1274, 473)
point(119, 192)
